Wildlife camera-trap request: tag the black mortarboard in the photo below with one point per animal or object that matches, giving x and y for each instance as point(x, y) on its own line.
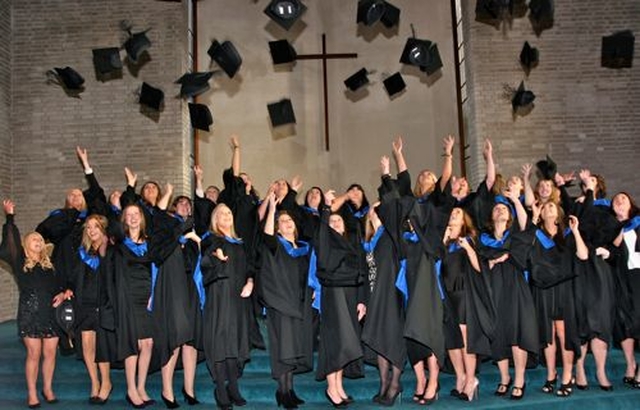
point(200, 115)
point(281, 112)
point(70, 78)
point(137, 44)
point(617, 50)
point(107, 60)
point(285, 12)
point(371, 11)
point(490, 10)
point(394, 84)
point(522, 97)
point(282, 52)
point(528, 57)
point(151, 97)
point(226, 56)
point(541, 11)
point(547, 168)
point(421, 53)
point(357, 80)
point(194, 84)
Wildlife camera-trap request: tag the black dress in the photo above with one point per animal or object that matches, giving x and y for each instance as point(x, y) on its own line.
point(283, 290)
point(516, 323)
point(340, 271)
point(226, 314)
point(37, 287)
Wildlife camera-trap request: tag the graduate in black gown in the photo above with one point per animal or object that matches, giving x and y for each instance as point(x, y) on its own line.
point(228, 285)
point(626, 255)
point(595, 287)
point(283, 290)
point(421, 218)
point(175, 307)
point(135, 327)
point(503, 261)
point(94, 290)
point(340, 271)
point(556, 257)
point(148, 198)
point(469, 296)
point(41, 291)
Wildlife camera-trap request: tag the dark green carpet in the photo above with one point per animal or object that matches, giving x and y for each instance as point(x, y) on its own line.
point(72, 386)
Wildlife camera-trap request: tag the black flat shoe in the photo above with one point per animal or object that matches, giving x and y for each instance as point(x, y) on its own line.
point(170, 404)
point(191, 400)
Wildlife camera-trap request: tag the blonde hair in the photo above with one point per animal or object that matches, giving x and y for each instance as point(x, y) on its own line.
point(44, 258)
point(214, 222)
point(102, 225)
point(555, 192)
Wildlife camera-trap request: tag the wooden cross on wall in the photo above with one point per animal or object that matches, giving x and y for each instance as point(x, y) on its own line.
point(324, 57)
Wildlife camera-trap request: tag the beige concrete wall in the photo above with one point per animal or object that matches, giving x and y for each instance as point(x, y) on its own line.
point(360, 131)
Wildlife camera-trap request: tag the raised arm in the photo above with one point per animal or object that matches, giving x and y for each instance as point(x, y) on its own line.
point(163, 202)
point(198, 173)
point(269, 225)
point(398, 156)
point(447, 165)
point(521, 213)
point(529, 197)
point(582, 252)
point(234, 143)
point(11, 247)
point(487, 152)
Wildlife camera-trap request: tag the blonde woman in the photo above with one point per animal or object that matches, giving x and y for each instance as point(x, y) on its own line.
point(41, 291)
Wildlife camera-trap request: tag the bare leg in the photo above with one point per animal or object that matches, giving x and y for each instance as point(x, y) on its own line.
point(421, 380)
point(550, 356)
point(470, 362)
point(105, 379)
point(434, 372)
point(167, 375)
point(581, 375)
point(332, 388)
point(130, 367)
point(599, 349)
point(520, 364)
point(628, 346)
point(455, 355)
point(49, 351)
point(89, 356)
point(340, 386)
point(189, 361)
point(144, 358)
point(505, 379)
point(31, 365)
point(567, 355)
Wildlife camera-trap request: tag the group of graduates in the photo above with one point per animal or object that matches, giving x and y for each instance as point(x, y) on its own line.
point(437, 275)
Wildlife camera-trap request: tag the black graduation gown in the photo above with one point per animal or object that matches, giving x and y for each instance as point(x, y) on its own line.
point(469, 294)
point(226, 314)
point(130, 197)
point(552, 273)
point(283, 290)
point(175, 306)
point(627, 286)
point(384, 322)
point(133, 290)
point(37, 287)
point(340, 271)
point(516, 323)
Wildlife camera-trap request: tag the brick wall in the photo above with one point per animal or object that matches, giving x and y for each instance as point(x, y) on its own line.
point(584, 114)
point(47, 125)
point(8, 302)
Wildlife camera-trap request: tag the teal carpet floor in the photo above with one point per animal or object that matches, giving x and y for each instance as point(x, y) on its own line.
point(72, 386)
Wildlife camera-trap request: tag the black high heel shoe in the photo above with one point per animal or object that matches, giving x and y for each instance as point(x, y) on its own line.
point(222, 405)
point(132, 404)
point(520, 389)
point(499, 390)
point(389, 401)
point(170, 404)
point(48, 400)
point(550, 385)
point(341, 403)
point(191, 400)
point(630, 381)
point(285, 400)
point(236, 397)
point(425, 401)
point(295, 397)
point(608, 388)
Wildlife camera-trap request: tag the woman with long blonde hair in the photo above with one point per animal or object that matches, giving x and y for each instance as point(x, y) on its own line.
point(41, 291)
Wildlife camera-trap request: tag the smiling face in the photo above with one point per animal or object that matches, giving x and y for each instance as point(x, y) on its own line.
point(544, 189)
point(222, 220)
point(212, 193)
point(34, 246)
point(286, 226)
point(132, 217)
point(183, 207)
point(94, 231)
point(337, 223)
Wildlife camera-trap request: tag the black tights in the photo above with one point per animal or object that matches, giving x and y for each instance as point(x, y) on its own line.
point(389, 383)
point(226, 375)
point(285, 382)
